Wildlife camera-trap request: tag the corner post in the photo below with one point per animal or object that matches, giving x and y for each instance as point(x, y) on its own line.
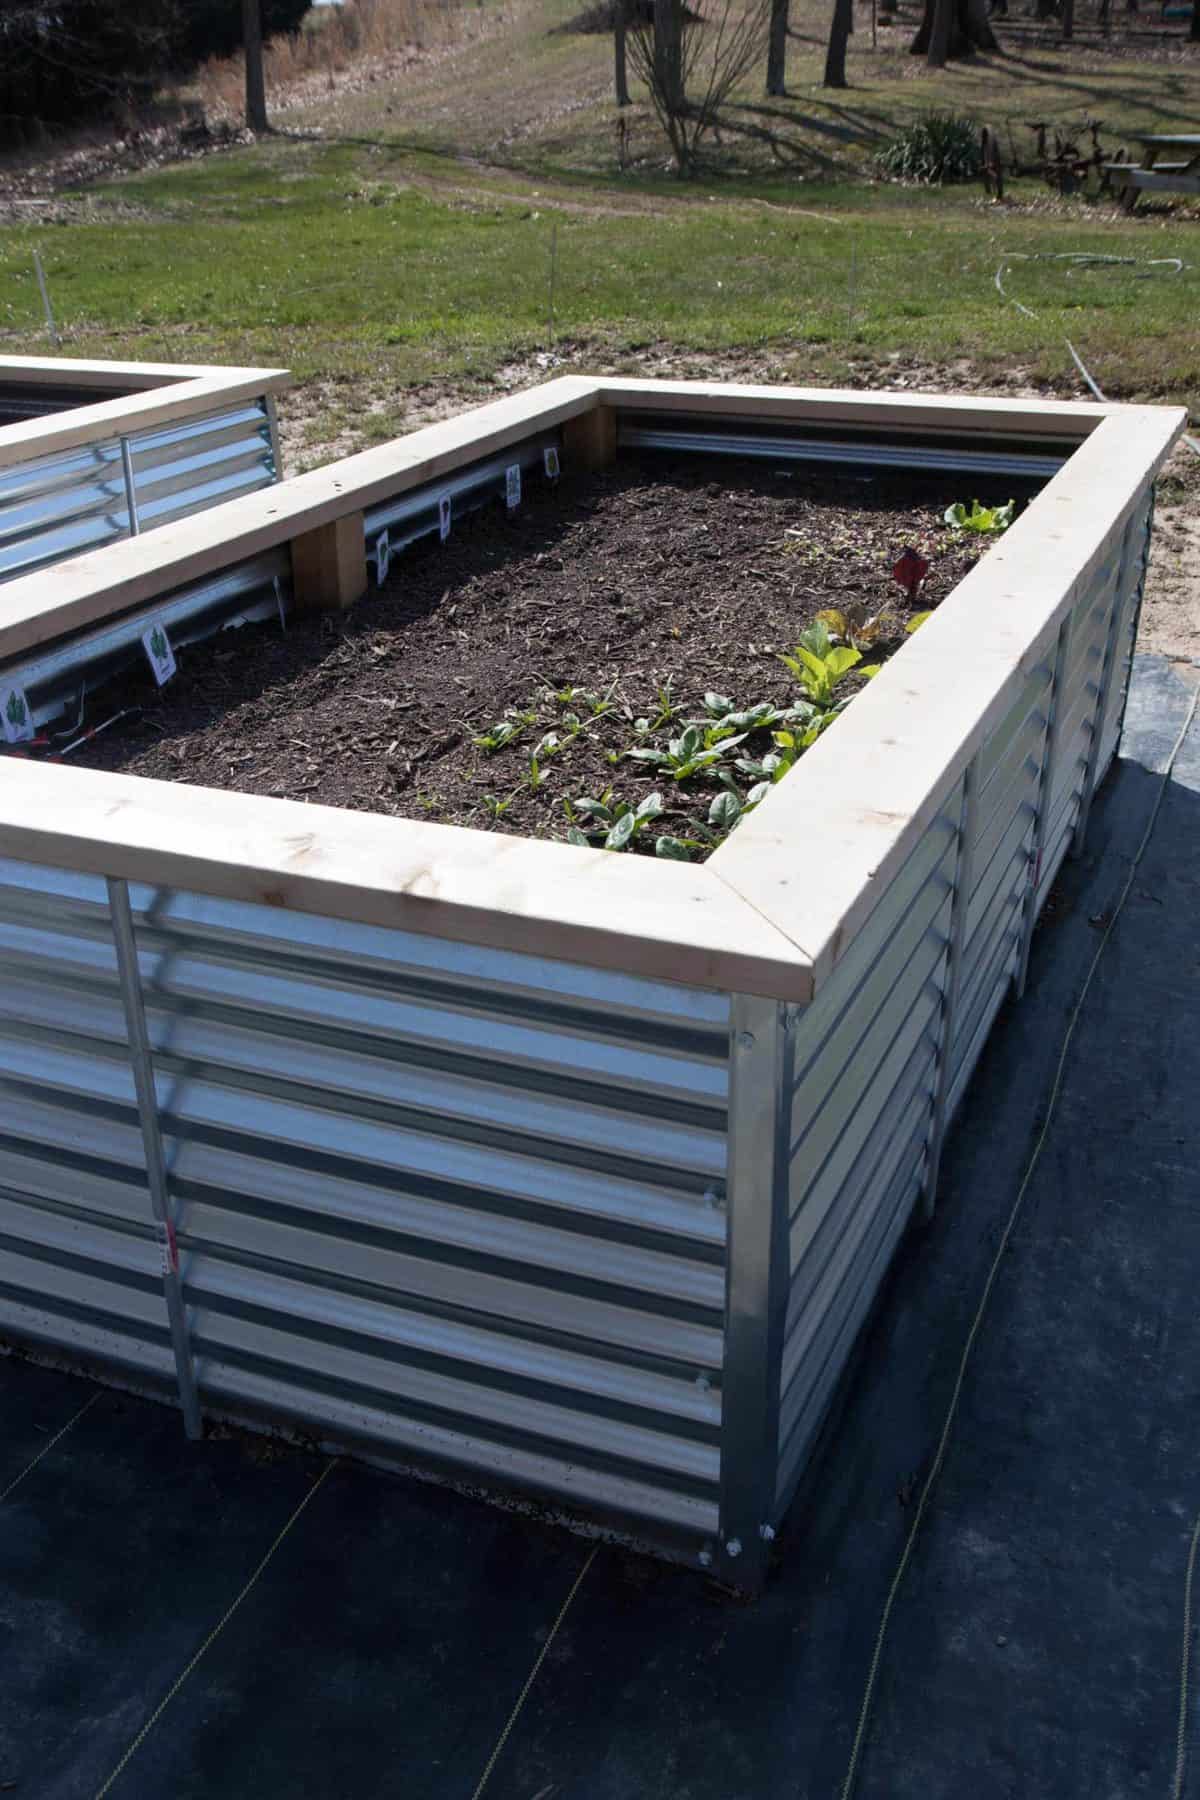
point(156, 1173)
point(590, 439)
point(1107, 669)
point(964, 879)
point(1045, 794)
point(756, 1285)
point(272, 415)
point(329, 565)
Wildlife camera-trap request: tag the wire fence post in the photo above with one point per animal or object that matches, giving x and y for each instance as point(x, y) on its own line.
point(156, 1174)
point(964, 879)
point(51, 327)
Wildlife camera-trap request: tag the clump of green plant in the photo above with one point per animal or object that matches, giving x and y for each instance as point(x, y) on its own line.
point(697, 749)
point(855, 627)
point(937, 148)
point(505, 731)
point(616, 822)
point(988, 521)
point(820, 665)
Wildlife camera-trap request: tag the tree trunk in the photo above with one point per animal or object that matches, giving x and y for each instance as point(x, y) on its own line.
point(1194, 29)
point(777, 48)
point(965, 23)
point(668, 54)
point(835, 55)
point(940, 33)
point(1068, 20)
point(620, 19)
point(256, 87)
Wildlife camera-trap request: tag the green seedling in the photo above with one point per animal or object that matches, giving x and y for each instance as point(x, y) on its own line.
point(505, 732)
point(676, 849)
point(617, 822)
point(687, 755)
point(819, 664)
point(988, 521)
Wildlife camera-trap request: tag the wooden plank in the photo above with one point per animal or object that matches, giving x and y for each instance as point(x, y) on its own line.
point(817, 854)
point(847, 406)
point(669, 921)
point(181, 398)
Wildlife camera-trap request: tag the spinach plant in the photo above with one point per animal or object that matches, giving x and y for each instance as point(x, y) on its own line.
point(989, 521)
point(819, 664)
point(617, 822)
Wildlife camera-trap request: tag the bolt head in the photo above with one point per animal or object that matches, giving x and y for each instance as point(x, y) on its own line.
point(733, 1547)
point(767, 1533)
point(705, 1559)
point(745, 1040)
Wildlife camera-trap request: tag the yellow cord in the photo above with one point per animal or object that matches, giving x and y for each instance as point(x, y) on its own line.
point(1184, 1666)
point(47, 1448)
point(213, 1635)
point(515, 1714)
point(1051, 1105)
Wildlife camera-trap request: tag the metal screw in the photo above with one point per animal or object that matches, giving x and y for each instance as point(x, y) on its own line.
point(745, 1040)
point(703, 1383)
point(733, 1547)
point(767, 1533)
point(705, 1559)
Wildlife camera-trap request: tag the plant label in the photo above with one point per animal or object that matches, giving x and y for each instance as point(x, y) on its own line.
point(444, 517)
point(383, 557)
point(550, 462)
point(512, 486)
point(159, 653)
point(14, 710)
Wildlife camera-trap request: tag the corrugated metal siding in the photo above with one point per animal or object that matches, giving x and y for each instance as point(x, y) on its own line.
point(462, 1203)
point(865, 1064)
point(75, 500)
point(869, 1049)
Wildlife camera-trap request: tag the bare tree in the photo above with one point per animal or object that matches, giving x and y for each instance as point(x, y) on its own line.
point(620, 20)
point(1194, 29)
point(256, 86)
point(777, 48)
point(692, 58)
point(839, 32)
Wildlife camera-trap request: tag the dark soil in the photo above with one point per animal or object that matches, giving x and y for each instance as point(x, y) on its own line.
point(694, 572)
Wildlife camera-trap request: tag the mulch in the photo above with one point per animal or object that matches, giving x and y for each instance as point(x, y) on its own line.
point(692, 572)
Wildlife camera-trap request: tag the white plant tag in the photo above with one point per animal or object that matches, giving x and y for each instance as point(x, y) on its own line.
point(444, 517)
point(14, 710)
point(383, 557)
point(159, 653)
point(550, 462)
point(512, 486)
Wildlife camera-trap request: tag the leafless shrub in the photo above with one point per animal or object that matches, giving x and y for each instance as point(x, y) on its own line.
point(692, 58)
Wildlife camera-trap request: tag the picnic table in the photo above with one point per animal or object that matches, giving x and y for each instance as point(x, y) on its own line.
point(1181, 175)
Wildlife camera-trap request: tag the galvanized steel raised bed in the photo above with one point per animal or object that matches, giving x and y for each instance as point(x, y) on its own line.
point(562, 1174)
point(92, 452)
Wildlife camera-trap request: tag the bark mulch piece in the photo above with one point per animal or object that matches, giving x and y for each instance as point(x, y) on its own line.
point(693, 572)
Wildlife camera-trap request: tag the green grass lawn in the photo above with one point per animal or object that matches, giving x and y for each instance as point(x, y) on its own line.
point(381, 265)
